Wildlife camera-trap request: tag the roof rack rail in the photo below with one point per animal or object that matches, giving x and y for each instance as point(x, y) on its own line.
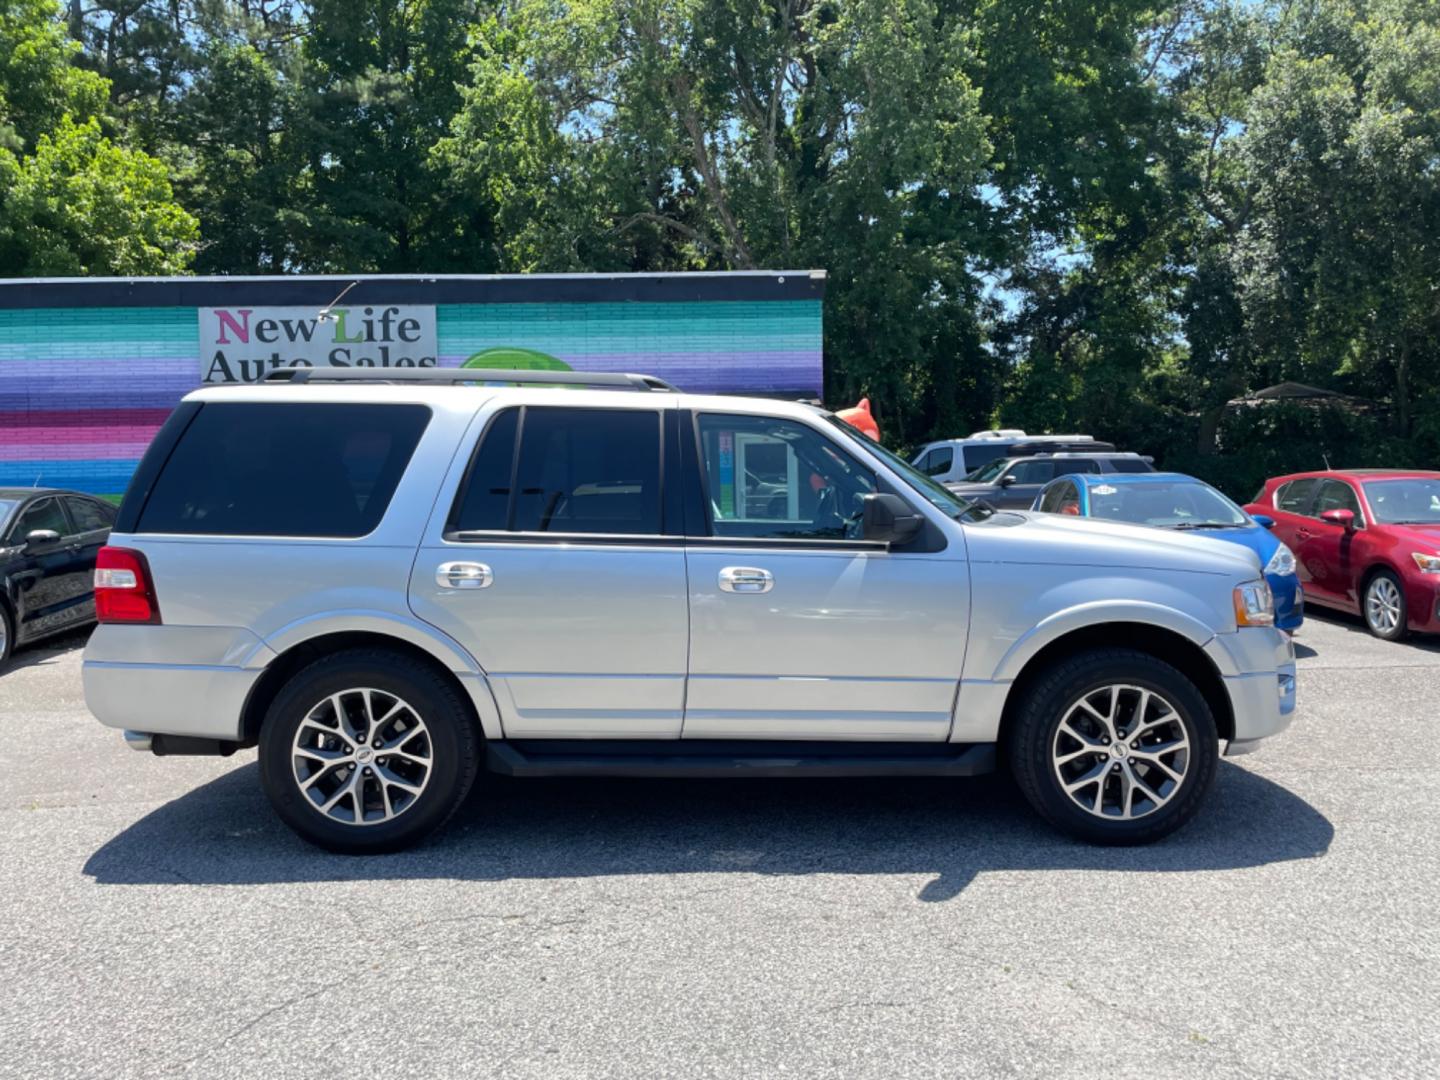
point(601, 380)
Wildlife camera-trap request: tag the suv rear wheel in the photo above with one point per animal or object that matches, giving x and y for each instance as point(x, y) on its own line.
point(1115, 747)
point(367, 751)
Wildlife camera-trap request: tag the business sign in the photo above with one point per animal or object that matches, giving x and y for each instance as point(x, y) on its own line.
point(244, 344)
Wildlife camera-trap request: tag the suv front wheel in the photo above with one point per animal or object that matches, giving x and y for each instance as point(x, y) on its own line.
point(367, 751)
point(1114, 746)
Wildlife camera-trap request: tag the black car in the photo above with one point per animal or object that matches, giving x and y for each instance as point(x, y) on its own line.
point(48, 543)
point(1012, 483)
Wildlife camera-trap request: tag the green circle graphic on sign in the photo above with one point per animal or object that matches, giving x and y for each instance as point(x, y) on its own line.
point(515, 359)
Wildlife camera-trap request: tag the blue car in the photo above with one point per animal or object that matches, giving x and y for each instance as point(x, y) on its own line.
point(1176, 501)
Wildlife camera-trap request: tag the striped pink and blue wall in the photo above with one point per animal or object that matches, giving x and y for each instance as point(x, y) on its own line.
point(83, 389)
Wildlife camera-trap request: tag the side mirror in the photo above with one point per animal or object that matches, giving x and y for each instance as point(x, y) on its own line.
point(41, 537)
point(1263, 521)
point(888, 519)
point(1006, 480)
point(1344, 518)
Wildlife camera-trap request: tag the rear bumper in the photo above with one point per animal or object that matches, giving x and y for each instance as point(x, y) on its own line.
point(189, 681)
point(198, 701)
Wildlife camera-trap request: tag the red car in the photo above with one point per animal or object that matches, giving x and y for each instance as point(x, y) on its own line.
point(1366, 541)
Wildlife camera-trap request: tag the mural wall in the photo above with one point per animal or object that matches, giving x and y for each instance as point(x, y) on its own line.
point(84, 388)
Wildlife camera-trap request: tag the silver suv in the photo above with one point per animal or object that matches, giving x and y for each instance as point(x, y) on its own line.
point(391, 582)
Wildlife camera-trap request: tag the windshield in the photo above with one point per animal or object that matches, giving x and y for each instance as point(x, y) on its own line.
point(1171, 504)
point(987, 473)
point(1413, 501)
point(949, 503)
point(6, 506)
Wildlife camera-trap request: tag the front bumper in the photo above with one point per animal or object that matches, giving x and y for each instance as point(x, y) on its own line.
point(1258, 668)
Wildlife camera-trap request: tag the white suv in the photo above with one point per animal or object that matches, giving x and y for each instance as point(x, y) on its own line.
point(389, 581)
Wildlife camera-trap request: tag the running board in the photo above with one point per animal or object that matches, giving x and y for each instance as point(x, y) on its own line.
point(696, 760)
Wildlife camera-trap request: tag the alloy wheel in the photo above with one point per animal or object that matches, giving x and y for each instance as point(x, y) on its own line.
point(1121, 752)
point(362, 756)
point(1382, 605)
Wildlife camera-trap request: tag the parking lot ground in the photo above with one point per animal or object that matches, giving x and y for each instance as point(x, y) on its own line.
point(158, 920)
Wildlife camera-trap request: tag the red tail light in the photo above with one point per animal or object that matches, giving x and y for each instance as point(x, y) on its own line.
point(124, 589)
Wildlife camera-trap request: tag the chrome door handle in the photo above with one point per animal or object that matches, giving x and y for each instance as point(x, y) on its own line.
point(463, 575)
point(746, 579)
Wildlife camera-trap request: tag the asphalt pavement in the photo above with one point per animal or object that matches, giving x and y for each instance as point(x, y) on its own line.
point(157, 920)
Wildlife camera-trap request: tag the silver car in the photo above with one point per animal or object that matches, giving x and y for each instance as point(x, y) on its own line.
point(390, 582)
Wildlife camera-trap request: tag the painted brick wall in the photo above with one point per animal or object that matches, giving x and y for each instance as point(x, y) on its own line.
point(83, 389)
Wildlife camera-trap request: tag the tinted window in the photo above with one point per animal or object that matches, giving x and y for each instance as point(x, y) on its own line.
point(1070, 466)
point(484, 502)
point(247, 469)
point(1335, 495)
point(938, 462)
point(588, 471)
point(89, 515)
point(1294, 497)
point(776, 478)
point(1131, 465)
point(1032, 472)
point(984, 453)
point(44, 514)
point(1411, 501)
point(1058, 496)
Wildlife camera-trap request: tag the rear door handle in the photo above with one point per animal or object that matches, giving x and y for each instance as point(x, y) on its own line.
point(464, 575)
point(746, 579)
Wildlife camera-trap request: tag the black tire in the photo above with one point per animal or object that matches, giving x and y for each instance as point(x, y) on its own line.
point(1373, 620)
point(7, 625)
point(1032, 741)
point(453, 751)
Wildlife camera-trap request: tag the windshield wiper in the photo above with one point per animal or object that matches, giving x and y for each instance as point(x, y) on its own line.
point(1205, 525)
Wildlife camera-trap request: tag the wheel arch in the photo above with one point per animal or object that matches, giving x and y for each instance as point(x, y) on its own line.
point(472, 686)
point(1178, 650)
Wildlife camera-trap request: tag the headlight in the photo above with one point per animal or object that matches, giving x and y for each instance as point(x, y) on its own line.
point(1282, 562)
point(1428, 564)
point(1254, 606)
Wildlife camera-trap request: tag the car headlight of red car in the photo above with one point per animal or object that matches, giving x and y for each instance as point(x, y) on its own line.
point(1428, 564)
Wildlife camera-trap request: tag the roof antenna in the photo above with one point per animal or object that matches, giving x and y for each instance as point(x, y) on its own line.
point(326, 313)
point(1328, 466)
point(36, 484)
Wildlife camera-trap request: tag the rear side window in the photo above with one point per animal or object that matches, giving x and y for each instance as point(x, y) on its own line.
point(938, 461)
point(1131, 465)
point(983, 454)
point(578, 471)
point(1294, 497)
point(247, 469)
point(88, 515)
point(1070, 466)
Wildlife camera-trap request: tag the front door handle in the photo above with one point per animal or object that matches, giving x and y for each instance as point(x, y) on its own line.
point(746, 579)
point(463, 575)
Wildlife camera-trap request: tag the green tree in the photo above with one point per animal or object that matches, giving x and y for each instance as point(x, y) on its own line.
point(72, 201)
point(82, 205)
point(379, 88)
